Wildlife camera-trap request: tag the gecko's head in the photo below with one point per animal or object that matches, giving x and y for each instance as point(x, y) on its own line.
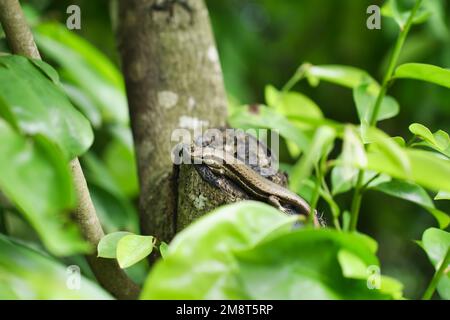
point(212, 162)
point(207, 156)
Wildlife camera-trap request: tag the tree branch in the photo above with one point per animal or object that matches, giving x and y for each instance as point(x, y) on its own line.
point(18, 34)
point(107, 271)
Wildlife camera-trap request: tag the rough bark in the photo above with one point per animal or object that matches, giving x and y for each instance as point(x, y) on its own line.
point(107, 271)
point(18, 34)
point(173, 80)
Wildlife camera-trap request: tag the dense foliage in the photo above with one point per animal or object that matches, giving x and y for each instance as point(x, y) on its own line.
point(350, 170)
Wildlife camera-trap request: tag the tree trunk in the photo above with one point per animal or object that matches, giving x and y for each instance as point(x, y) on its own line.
point(174, 81)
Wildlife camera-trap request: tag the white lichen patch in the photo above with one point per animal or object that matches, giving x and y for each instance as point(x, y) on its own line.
point(167, 99)
point(138, 71)
point(212, 54)
point(192, 122)
point(199, 202)
point(191, 103)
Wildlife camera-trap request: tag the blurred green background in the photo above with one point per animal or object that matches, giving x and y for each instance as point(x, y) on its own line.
point(263, 42)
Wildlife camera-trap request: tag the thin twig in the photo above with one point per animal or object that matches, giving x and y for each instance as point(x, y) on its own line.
point(441, 271)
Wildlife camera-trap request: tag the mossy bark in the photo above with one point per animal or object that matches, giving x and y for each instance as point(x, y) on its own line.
point(197, 197)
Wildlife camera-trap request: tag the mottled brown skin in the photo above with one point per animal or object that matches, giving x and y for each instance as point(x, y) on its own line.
point(252, 182)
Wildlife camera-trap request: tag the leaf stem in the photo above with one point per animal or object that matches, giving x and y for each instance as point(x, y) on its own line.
point(298, 75)
point(356, 202)
point(393, 62)
point(366, 185)
point(359, 190)
point(3, 221)
point(437, 276)
point(315, 196)
point(326, 195)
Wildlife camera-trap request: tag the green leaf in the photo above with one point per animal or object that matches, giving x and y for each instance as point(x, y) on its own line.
point(353, 153)
point(406, 190)
point(248, 250)
point(439, 141)
point(87, 68)
point(353, 148)
point(423, 132)
point(163, 247)
point(47, 70)
point(343, 182)
point(427, 169)
point(304, 264)
point(436, 244)
point(414, 193)
point(322, 141)
point(108, 244)
point(297, 107)
point(29, 274)
point(400, 141)
point(365, 103)
point(353, 156)
point(391, 287)
point(292, 103)
point(306, 189)
point(391, 9)
point(442, 195)
point(424, 72)
point(84, 103)
point(352, 266)
point(202, 253)
point(437, 21)
point(382, 143)
point(346, 76)
point(443, 141)
point(342, 179)
point(37, 179)
point(41, 107)
point(133, 248)
point(334, 207)
point(258, 117)
point(429, 166)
